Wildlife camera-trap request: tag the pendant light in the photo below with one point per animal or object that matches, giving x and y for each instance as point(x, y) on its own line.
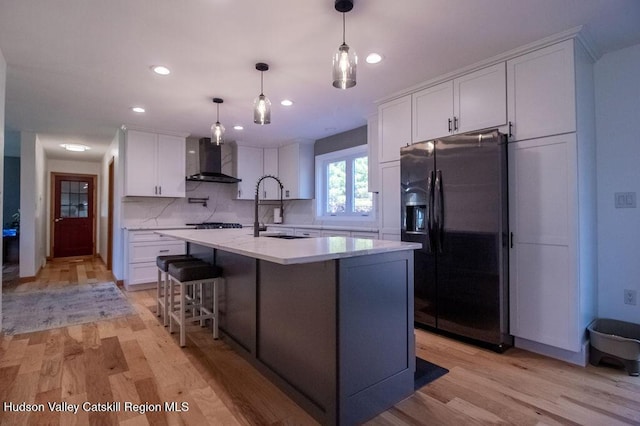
point(217, 130)
point(345, 60)
point(262, 104)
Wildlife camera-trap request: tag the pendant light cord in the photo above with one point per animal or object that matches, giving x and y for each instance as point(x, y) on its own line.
point(343, 28)
point(261, 83)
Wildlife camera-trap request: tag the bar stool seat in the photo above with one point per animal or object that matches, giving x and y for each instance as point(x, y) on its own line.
point(196, 275)
point(162, 285)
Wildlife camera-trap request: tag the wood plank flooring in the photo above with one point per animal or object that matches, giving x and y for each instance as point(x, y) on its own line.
point(135, 359)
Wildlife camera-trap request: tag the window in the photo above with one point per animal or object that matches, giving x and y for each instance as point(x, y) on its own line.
point(342, 184)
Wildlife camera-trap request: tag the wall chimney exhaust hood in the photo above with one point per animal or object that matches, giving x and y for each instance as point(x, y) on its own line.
point(210, 156)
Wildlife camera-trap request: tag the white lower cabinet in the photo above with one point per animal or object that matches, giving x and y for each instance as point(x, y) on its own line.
point(141, 250)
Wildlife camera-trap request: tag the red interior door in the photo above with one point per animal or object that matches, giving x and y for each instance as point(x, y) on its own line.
point(73, 216)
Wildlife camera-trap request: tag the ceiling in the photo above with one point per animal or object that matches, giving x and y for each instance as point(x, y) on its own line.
point(76, 67)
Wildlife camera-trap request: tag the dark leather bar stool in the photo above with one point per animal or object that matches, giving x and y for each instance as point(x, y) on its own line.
point(162, 286)
point(196, 275)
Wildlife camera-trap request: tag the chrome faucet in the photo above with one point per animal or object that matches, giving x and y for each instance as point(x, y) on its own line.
point(256, 224)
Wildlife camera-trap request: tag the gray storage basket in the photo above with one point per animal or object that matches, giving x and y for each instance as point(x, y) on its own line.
point(614, 340)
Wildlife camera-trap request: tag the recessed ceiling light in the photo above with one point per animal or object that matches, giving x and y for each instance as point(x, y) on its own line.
point(373, 58)
point(191, 151)
point(286, 102)
point(74, 147)
point(138, 109)
point(238, 127)
point(161, 69)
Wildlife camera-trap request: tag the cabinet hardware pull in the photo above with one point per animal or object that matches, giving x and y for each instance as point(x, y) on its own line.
point(164, 251)
point(449, 125)
point(511, 239)
point(455, 123)
point(155, 190)
point(239, 193)
point(510, 127)
point(160, 190)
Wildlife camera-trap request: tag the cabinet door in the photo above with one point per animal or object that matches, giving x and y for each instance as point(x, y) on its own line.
point(288, 169)
point(171, 166)
point(141, 164)
point(541, 92)
point(372, 150)
point(270, 188)
point(479, 100)
point(249, 161)
point(394, 124)
point(544, 296)
point(390, 198)
point(432, 110)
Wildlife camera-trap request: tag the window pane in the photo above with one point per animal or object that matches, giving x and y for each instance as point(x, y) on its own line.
point(84, 186)
point(74, 186)
point(362, 198)
point(336, 187)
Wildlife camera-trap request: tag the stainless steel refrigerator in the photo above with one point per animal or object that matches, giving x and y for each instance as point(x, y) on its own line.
point(454, 201)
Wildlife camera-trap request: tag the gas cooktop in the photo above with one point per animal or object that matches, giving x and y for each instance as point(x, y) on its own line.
point(215, 225)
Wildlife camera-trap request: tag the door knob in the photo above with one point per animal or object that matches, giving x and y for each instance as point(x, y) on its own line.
point(58, 219)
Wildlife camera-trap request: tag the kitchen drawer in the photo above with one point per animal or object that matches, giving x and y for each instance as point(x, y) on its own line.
point(142, 273)
point(369, 235)
point(148, 235)
point(307, 233)
point(148, 251)
point(336, 233)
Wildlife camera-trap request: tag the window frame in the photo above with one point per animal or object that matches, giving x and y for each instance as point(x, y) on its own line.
point(348, 155)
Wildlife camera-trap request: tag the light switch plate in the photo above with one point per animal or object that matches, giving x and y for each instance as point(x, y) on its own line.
point(625, 200)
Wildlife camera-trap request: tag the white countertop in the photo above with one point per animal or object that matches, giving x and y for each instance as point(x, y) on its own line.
point(287, 252)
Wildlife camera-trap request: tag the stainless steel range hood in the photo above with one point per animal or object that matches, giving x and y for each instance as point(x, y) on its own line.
point(210, 164)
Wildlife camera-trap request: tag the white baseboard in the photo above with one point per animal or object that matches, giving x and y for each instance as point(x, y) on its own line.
point(579, 358)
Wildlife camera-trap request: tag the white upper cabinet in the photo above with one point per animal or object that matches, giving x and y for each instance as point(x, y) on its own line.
point(479, 99)
point(433, 112)
point(394, 124)
point(472, 102)
point(296, 170)
point(154, 165)
point(270, 188)
point(541, 87)
point(249, 168)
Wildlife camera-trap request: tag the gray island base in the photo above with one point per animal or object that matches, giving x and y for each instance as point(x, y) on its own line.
point(336, 335)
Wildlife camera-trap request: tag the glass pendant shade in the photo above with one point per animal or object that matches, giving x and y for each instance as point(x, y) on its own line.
point(345, 62)
point(217, 130)
point(217, 133)
point(262, 110)
point(262, 104)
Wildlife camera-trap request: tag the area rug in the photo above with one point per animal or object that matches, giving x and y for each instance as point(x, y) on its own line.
point(46, 309)
point(426, 373)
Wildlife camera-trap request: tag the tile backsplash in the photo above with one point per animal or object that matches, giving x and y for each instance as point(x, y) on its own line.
point(221, 207)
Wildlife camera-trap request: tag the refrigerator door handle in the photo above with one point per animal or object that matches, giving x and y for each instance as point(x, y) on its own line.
point(440, 221)
point(430, 213)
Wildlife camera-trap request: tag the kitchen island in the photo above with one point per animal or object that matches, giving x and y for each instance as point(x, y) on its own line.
point(329, 320)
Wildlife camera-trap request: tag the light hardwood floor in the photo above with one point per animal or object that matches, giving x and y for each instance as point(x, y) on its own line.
point(135, 359)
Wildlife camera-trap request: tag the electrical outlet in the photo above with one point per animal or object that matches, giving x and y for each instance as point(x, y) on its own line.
point(630, 297)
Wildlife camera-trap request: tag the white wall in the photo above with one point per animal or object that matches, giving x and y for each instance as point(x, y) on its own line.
point(32, 205)
point(3, 80)
point(617, 84)
point(77, 167)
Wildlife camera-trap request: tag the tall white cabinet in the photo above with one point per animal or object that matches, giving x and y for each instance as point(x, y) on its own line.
point(552, 199)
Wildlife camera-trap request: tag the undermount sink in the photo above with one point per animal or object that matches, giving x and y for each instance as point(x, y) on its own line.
point(285, 237)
